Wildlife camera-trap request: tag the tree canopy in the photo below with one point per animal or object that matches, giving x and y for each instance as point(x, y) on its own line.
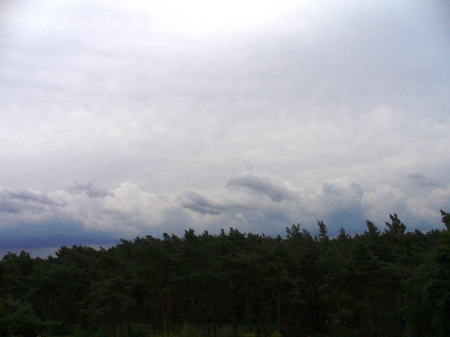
point(378, 283)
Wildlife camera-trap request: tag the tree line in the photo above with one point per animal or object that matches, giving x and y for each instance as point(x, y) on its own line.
point(389, 282)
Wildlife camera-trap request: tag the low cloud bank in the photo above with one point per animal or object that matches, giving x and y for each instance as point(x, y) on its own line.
point(85, 214)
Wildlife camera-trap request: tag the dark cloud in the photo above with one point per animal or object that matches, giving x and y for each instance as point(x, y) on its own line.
point(352, 220)
point(262, 186)
point(90, 190)
point(195, 201)
point(8, 206)
point(18, 201)
point(55, 231)
point(420, 180)
point(28, 196)
point(275, 216)
point(342, 190)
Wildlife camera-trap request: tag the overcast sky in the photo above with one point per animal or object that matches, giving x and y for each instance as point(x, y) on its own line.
point(127, 118)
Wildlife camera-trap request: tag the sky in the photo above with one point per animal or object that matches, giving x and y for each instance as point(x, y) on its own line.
point(121, 119)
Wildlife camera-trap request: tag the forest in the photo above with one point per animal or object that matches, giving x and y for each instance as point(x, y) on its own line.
point(381, 282)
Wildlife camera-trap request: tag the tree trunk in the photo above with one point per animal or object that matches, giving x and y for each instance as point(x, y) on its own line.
point(233, 321)
point(248, 305)
point(278, 299)
point(145, 322)
point(121, 330)
point(289, 322)
point(153, 323)
point(113, 328)
point(118, 316)
point(164, 316)
point(278, 315)
point(129, 328)
point(258, 333)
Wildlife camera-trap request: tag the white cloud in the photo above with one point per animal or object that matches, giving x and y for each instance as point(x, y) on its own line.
point(385, 200)
point(128, 211)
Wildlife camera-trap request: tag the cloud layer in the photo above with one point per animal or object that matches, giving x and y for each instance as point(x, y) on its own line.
point(34, 219)
point(129, 118)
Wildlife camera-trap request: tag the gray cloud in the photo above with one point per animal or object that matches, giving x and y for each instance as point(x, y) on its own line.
point(25, 200)
point(133, 212)
point(8, 206)
point(339, 191)
point(90, 190)
point(45, 233)
point(28, 196)
point(199, 203)
point(262, 186)
point(420, 180)
point(313, 93)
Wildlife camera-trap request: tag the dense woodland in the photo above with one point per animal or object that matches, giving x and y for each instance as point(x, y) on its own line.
point(389, 282)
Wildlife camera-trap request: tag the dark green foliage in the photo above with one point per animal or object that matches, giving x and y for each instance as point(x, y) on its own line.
point(390, 283)
point(395, 227)
point(428, 293)
point(446, 219)
point(18, 319)
point(14, 275)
